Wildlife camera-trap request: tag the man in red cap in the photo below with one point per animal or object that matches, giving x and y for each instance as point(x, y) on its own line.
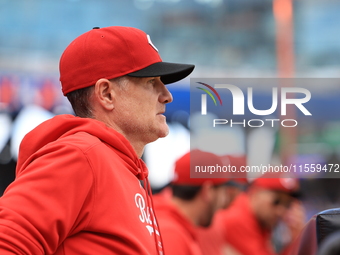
point(250, 220)
point(192, 202)
point(77, 188)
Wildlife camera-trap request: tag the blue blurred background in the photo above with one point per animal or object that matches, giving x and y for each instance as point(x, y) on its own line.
point(223, 38)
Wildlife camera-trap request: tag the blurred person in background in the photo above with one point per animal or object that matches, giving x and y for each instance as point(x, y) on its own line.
point(249, 222)
point(77, 188)
point(189, 203)
point(211, 239)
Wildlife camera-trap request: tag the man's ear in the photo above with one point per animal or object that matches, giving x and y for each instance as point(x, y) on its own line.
point(104, 93)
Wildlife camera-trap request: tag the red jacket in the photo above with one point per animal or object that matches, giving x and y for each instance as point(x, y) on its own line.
point(178, 233)
point(242, 231)
point(77, 191)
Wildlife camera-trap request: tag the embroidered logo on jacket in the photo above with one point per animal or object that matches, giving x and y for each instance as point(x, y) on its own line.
point(146, 214)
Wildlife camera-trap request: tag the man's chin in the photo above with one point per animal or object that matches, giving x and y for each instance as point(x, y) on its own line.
point(163, 134)
point(163, 131)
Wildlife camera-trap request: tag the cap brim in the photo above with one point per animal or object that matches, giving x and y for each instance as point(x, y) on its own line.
point(169, 72)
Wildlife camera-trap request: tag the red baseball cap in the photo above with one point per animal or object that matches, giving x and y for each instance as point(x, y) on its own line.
point(275, 182)
point(111, 52)
point(196, 157)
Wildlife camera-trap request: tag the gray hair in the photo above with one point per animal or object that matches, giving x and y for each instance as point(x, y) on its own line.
point(80, 99)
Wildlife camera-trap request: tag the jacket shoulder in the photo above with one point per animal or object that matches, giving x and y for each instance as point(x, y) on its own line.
point(82, 140)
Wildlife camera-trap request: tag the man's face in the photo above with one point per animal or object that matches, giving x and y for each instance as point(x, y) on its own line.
point(139, 109)
point(231, 193)
point(218, 201)
point(270, 206)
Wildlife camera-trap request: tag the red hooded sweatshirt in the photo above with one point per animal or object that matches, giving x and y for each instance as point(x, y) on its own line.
point(77, 191)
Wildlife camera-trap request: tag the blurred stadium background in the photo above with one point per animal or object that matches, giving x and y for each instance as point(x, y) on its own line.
point(223, 38)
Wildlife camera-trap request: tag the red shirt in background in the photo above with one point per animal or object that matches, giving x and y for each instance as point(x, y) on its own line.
point(211, 239)
point(242, 232)
point(178, 233)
